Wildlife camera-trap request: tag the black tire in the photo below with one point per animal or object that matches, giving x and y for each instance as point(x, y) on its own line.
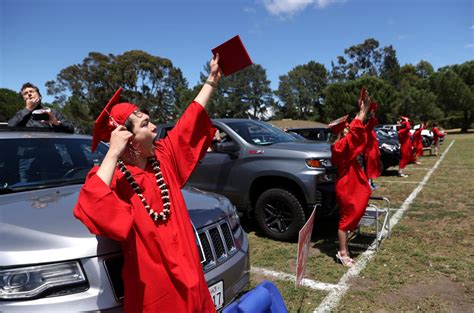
point(279, 214)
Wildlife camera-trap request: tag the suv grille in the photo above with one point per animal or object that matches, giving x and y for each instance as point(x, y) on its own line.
point(217, 244)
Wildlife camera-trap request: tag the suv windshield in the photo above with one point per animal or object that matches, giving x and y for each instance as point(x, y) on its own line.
point(32, 163)
point(258, 133)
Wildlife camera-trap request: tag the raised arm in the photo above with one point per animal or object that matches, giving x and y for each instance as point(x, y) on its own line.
point(211, 83)
point(118, 142)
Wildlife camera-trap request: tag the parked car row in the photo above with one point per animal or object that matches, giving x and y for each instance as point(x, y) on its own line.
point(268, 174)
point(50, 262)
point(388, 143)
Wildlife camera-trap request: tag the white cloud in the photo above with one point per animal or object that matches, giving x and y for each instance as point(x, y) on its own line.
point(250, 10)
point(321, 4)
point(472, 27)
point(470, 45)
point(401, 37)
point(290, 7)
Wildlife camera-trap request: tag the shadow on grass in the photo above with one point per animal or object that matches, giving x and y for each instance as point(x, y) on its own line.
point(390, 173)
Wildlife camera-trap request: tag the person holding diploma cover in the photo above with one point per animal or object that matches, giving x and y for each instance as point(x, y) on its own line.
point(35, 115)
point(352, 187)
point(135, 197)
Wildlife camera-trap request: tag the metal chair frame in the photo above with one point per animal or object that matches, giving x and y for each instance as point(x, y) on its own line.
point(374, 215)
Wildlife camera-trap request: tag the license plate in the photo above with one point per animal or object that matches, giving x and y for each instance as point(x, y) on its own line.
point(217, 294)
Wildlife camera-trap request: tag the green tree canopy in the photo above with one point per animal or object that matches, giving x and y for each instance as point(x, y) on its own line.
point(10, 102)
point(455, 92)
point(343, 98)
point(244, 94)
point(301, 91)
point(149, 81)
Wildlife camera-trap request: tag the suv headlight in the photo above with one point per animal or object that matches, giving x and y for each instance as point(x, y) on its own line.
point(234, 220)
point(31, 281)
point(318, 163)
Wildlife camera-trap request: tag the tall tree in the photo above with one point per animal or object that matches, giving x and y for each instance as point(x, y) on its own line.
point(10, 103)
point(301, 91)
point(245, 94)
point(390, 69)
point(455, 93)
point(366, 58)
point(424, 69)
point(342, 98)
point(418, 104)
point(149, 81)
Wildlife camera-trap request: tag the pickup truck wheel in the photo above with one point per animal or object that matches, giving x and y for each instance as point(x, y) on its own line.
point(279, 214)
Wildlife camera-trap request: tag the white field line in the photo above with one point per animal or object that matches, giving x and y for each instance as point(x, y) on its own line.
point(397, 182)
point(305, 282)
point(335, 295)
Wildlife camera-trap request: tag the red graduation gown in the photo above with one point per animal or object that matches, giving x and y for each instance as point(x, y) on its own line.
point(162, 270)
point(371, 151)
point(406, 148)
point(352, 187)
point(418, 142)
point(436, 135)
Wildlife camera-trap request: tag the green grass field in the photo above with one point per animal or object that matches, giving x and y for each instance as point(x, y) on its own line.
point(426, 265)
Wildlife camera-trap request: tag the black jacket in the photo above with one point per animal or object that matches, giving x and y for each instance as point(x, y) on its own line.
point(24, 118)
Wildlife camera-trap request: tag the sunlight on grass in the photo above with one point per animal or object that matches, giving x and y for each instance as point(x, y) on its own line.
point(424, 266)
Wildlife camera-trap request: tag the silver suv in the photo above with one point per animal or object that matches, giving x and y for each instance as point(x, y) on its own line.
point(50, 262)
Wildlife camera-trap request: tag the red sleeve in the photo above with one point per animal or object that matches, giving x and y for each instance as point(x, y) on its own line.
point(371, 124)
point(188, 141)
point(101, 210)
point(405, 130)
point(354, 142)
point(438, 133)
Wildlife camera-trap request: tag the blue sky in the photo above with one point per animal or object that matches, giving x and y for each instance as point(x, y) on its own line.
point(38, 38)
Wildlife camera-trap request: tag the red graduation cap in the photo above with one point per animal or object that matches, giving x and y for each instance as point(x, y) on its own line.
point(111, 116)
point(232, 56)
point(338, 125)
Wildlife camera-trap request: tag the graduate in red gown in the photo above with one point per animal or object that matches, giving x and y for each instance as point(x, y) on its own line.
point(418, 142)
point(135, 197)
point(352, 187)
point(406, 147)
point(437, 134)
point(372, 162)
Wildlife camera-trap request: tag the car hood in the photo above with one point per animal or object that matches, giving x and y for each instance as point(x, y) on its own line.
point(310, 146)
point(39, 226)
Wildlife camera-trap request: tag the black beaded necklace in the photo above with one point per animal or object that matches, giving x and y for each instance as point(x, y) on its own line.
point(161, 185)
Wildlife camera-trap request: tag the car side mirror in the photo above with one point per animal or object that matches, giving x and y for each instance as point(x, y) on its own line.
point(230, 147)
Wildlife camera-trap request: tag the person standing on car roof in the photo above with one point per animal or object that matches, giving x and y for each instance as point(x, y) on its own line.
point(437, 134)
point(418, 141)
point(135, 197)
point(406, 148)
point(28, 117)
point(372, 162)
point(352, 187)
